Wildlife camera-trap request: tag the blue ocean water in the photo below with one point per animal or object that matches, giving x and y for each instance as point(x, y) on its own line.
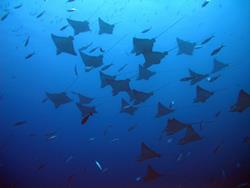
point(46, 147)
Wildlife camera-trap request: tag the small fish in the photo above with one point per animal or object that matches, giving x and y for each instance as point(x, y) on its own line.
point(205, 3)
point(85, 47)
point(146, 30)
point(93, 50)
point(41, 14)
point(105, 67)
point(19, 123)
point(5, 16)
point(92, 139)
point(27, 41)
point(63, 27)
point(123, 67)
point(179, 157)
point(98, 165)
point(86, 118)
point(18, 6)
point(30, 55)
point(170, 140)
point(115, 140)
point(72, 10)
point(207, 40)
point(69, 159)
point(52, 137)
point(138, 178)
point(217, 114)
point(216, 50)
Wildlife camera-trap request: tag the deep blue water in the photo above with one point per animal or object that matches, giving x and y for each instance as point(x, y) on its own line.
point(52, 149)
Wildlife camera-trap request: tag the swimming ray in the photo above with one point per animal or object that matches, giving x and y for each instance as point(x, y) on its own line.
point(104, 27)
point(79, 26)
point(163, 110)
point(174, 126)
point(120, 86)
point(106, 79)
point(83, 99)
point(144, 73)
point(91, 61)
point(147, 153)
point(64, 44)
point(127, 108)
point(141, 46)
point(190, 136)
point(218, 66)
point(242, 103)
point(185, 47)
point(58, 99)
point(85, 110)
point(202, 95)
point(194, 77)
point(151, 174)
point(153, 58)
point(139, 96)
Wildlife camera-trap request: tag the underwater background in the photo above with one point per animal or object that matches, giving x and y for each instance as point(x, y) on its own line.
point(43, 145)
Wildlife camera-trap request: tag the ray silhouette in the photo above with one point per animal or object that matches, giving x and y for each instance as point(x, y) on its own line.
point(147, 153)
point(242, 103)
point(63, 44)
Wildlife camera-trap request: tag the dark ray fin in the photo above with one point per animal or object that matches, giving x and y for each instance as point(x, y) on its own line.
point(185, 47)
point(58, 99)
point(147, 153)
point(142, 45)
point(151, 174)
point(153, 58)
point(106, 79)
point(218, 66)
point(63, 44)
point(144, 73)
point(127, 108)
point(79, 26)
point(83, 99)
point(91, 61)
point(202, 95)
point(85, 110)
point(104, 27)
point(174, 126)
point(190, 136)
point(139, 96)
point(120, 86)
point(242, 103)
point(194, 77)
point(163, 110)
